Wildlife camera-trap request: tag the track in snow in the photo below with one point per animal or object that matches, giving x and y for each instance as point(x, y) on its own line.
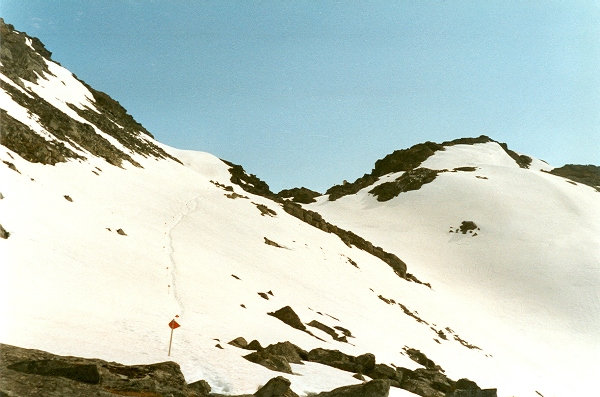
point(189, 207)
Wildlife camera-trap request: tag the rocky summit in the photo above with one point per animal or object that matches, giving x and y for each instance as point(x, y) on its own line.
point(460, 268)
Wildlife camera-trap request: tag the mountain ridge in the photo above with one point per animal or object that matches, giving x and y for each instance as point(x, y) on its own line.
point(115, 239)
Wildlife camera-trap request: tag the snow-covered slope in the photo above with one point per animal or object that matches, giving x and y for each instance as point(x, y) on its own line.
point(111, 235)
point(525, 282)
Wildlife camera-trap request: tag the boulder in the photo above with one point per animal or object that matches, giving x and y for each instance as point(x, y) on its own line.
point(466, 384)
point(374, 388)
point(276, 387)
point(334, 358)
point(239, 342)
point(87, 373)
point(382, 371)
point(366, 362)
point(201, 388)
point(421, 387)
point(254, 345)
point(285, 349)
point(271, 361)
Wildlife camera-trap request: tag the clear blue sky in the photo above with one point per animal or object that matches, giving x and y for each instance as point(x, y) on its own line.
point(311, 93)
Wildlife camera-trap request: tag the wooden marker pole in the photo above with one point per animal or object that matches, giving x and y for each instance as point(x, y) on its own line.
point(173, 324)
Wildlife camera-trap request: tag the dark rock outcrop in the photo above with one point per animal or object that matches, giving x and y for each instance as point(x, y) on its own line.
point(86, 373)
point(26, 372)
point(22, 61)
point(249, 182)
point(374, 388)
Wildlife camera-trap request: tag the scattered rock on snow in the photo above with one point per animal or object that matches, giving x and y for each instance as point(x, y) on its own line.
point(263, 295)
point(288, 316)
point(264, 210)
point(272, 243)
point(68, 198)
point(328, 330)
point(465, 226)
point(121, 232)
point(11, 166)
point(3, 233)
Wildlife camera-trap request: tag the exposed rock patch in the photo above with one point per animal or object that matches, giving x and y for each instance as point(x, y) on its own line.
point(410, 180)
point(299, 195)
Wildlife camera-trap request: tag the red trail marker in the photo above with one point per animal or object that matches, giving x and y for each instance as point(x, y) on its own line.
point(173, 324)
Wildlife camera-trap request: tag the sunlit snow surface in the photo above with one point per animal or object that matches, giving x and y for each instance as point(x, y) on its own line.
point(525, 289)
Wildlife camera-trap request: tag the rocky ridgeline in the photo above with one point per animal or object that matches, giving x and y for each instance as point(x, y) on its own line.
point(254, 185)
point(27, 372)
point(410, 159)
point(586, 174)
point(21, 61)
